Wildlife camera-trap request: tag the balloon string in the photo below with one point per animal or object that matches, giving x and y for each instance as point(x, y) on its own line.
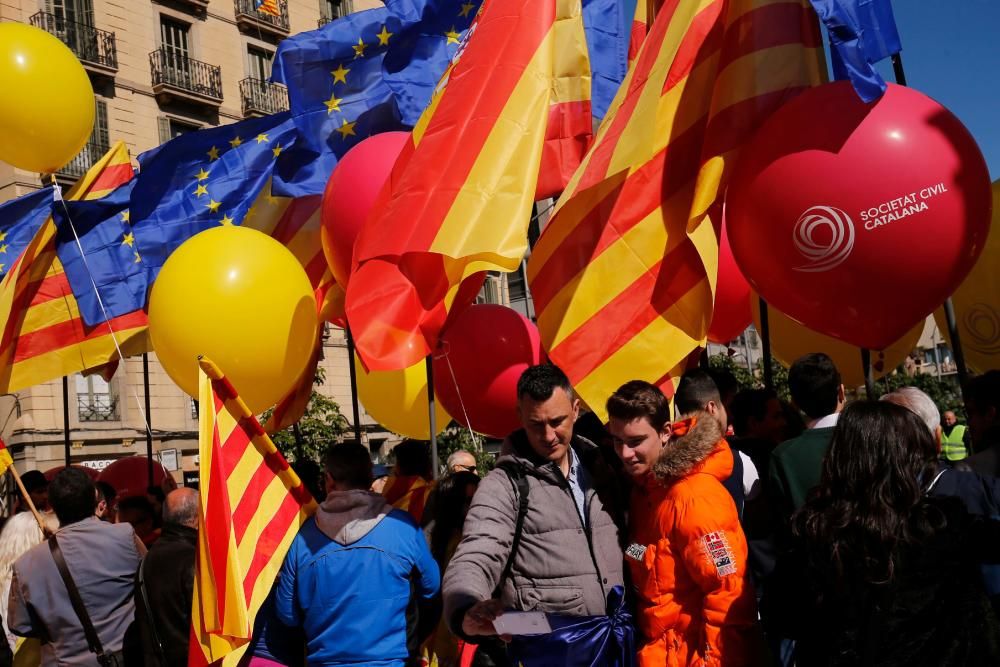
point(100, 302)
point(461, 403)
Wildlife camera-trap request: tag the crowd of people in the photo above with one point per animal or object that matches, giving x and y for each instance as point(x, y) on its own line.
point(724, 527)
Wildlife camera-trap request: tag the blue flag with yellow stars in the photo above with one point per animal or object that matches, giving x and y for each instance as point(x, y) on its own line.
point(369, 72)
point(20, 220)
point(110, 264)
point(205, 178)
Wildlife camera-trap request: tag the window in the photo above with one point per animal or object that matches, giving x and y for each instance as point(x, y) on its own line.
point(334, 9)
point(95, 400)
point(169, 128)
point(176, 57)
point(72, 11)
point(100, 136)
point(259, 63)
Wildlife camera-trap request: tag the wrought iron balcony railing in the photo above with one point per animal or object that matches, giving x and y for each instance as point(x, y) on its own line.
point(90, 45)
point(262, 97)
point(172, 68)
point(83, 161)
point(97, 408)
point(246, 11)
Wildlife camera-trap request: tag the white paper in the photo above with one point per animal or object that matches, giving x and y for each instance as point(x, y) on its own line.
point(522, 623)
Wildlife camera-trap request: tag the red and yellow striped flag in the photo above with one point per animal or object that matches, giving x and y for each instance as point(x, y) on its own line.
point(252, 505)
point(623, 277)
point(44, 336)
point(6, 460)
point(460, 196)
point(268, 7)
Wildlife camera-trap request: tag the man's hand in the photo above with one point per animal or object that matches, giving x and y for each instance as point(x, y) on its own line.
point(479, 619)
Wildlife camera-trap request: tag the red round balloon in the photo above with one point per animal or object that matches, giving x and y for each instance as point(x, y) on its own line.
point(487, 347)
point(350, 195)
point(858, 220)
point(130, 477)
point(732, 312)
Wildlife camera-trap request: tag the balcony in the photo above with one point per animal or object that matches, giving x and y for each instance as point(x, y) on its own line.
point(175, 76)
point(95, 48)
point(84, 160)
point(97, 408)
point(262, 98)
point(252, 21)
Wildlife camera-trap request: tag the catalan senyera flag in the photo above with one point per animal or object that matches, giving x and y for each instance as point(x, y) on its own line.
point(252, 505)
point(6, 461)
point(44, 336)
point(460, 196)
point(268, 7)
point(623, 277)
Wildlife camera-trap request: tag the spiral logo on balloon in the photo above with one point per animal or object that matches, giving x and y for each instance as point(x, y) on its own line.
point(982, 323)
point(823, 255)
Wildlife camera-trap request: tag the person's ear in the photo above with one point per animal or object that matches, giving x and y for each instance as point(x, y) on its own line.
point(841, 395)
point(576, 409)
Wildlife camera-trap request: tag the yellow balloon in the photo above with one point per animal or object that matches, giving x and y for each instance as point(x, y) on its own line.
point(398, 400)
point(790, 340)
point(977, 303)
point(47, 104)
point(243, 300)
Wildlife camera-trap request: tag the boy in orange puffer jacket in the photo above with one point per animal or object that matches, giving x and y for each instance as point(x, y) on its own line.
point(687, 553)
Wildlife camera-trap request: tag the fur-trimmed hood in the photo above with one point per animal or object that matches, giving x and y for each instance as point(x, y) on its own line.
point(686, 453)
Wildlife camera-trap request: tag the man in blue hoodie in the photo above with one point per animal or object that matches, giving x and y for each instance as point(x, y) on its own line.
point(348, 576)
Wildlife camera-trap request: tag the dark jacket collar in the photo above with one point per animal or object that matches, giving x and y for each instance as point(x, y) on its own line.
point(517, 449)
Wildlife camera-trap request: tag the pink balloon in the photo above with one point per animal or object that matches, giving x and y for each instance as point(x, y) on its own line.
point(732, 296)
point(858, 220)
point(487, 347)
point(350, 195)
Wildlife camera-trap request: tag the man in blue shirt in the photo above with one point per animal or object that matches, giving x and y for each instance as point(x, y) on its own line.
point(348, 576)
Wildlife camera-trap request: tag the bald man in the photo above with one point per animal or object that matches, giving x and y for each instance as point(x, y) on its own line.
point(462, 461)
point(165, 581)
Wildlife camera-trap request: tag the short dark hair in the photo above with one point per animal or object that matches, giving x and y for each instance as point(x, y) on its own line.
point(34, 480)
point(138, 504)
point(694, 391)
point(73, 496)
point(814, 383)
point(349, 464)
point(107, 492)
point(637, 399)
point(983, 391)
point(413, 457)
point(539, 382)
point(750, 403)
point(724, 380)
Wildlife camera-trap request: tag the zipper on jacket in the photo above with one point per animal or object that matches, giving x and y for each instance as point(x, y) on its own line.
point(586, 528)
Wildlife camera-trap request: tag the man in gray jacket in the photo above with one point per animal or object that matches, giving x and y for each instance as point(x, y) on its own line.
point(569, 556)
point(102, 559)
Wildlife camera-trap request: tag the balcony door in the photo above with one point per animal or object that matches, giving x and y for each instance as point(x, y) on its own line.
point(176, 57)
point(74, 24)
point(259, 63)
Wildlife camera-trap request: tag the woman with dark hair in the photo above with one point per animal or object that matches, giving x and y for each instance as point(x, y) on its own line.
point(879, 572)
point(452, 498)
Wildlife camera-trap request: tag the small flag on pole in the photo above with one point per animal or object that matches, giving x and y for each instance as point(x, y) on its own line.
point(252, 505)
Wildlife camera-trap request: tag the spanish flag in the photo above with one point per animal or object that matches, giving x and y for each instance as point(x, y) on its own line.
point(252, 505)
point(460, 196)
point(623, 277)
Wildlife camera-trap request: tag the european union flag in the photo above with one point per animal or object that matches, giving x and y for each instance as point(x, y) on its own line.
point(110, 264)
point(20, 220)
point(204, 179)
point(369, 72)
point(862, 32)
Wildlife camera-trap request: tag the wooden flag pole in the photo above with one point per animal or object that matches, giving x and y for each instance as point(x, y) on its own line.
point(31, 505)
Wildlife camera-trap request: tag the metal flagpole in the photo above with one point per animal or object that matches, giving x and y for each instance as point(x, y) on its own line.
point(765, 342)
point(149, 419)
point(354, 385)
point(949, 308)
point(866, 366)
point(66, 443)
point(432, 418)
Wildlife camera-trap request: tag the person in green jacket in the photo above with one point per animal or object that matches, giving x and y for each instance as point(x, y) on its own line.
point(817, 391)
point(952, 438)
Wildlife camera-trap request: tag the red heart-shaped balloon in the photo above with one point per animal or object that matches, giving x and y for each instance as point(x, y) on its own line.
point(858, 220)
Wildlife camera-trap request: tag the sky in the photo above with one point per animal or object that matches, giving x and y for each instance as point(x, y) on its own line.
point(951, 52)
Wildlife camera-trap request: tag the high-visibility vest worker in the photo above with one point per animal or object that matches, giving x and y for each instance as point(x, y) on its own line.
point(953, 443)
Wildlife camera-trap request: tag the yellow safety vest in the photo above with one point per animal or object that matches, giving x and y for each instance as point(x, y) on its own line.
point(953, 445)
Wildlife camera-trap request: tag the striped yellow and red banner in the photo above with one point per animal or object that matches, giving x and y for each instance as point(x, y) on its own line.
point(44, 336)
point(6, 460)
point(459, 199)
point(623, 277)
point(268, 7)
point(252, 505)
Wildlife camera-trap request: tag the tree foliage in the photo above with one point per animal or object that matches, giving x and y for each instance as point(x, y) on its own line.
point(321, 425)
point(457, 437)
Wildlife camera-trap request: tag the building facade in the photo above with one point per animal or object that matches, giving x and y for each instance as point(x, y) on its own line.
point(158, 69)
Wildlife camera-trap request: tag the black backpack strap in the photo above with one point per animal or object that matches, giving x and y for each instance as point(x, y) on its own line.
point(520, 484)
point(93, 641)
